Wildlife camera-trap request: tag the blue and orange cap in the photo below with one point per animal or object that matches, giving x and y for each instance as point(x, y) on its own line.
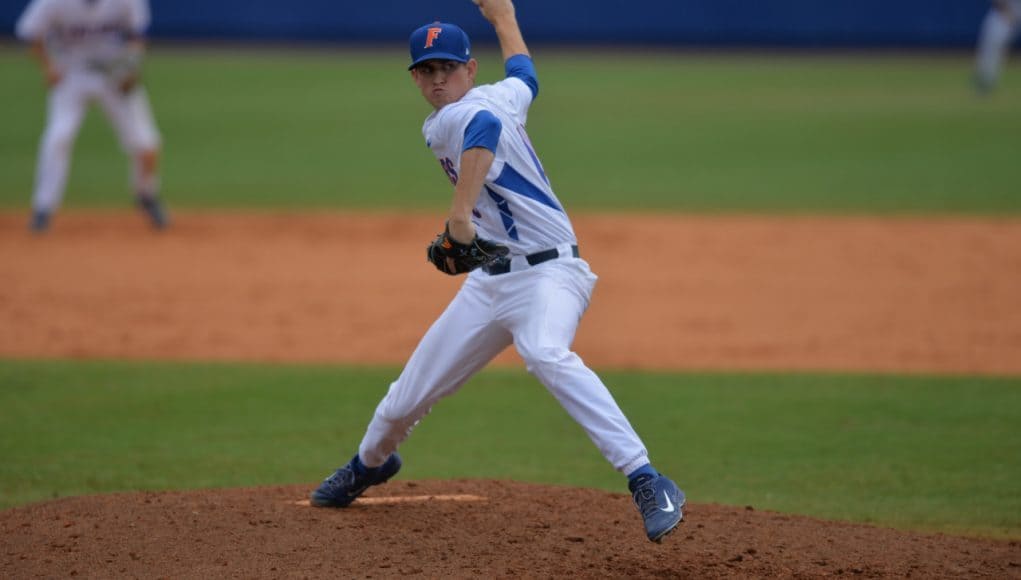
point(441, 41)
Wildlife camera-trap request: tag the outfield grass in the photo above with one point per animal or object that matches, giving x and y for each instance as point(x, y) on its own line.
point(637, 131)
point(914, 452)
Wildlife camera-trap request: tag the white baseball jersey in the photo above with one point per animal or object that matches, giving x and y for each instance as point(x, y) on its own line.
point(517, 207)
point(84, 34)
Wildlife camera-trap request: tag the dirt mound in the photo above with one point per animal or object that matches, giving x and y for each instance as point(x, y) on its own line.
point(456, 529)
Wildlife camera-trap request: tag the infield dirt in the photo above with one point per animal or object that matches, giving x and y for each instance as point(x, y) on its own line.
point(726, 293)
point(909, 295)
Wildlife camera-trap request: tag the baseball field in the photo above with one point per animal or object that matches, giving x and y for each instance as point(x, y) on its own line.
point(808, 308)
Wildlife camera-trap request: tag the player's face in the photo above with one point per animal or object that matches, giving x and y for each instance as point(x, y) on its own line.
point(444, 81)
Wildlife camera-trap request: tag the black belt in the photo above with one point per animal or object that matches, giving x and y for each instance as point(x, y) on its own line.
point(503, 266)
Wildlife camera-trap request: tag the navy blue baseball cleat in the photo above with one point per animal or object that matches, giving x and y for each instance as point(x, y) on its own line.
point(660, 502)
point(350, 481)
point(40, 221)
point(152, 207)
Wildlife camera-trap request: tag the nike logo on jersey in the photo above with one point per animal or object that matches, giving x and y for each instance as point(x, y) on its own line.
point(669, 504)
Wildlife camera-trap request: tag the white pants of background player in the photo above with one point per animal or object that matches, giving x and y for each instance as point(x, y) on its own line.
point(130, 115)
point(999, 28)
point(538, 310)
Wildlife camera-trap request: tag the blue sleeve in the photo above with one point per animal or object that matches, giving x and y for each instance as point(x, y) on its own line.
point(520, 66)
point(483, 131)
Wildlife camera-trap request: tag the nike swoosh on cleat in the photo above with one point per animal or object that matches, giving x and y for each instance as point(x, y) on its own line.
point(669, 504)
point(357, 492)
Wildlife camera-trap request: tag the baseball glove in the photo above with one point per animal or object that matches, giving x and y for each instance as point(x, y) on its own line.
point(122, 71)
point(453, 258)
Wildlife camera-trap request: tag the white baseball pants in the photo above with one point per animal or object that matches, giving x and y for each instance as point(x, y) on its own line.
point(130, 115)
point(538, 310)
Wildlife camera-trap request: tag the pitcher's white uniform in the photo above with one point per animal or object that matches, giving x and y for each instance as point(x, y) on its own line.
point(533, 297)
point(89, 41)
point(536, 308)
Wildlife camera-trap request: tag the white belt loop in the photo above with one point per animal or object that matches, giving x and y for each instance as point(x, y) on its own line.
point(521, 262)
point(565, 250)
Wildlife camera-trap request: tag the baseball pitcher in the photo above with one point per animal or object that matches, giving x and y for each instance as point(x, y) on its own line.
point(526, 284)
point(91, 51)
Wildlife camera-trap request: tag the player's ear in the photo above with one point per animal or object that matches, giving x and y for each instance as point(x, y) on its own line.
point(473, 67)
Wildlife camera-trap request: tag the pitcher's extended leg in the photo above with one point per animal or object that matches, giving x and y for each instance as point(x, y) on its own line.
point(461, 341)
point(544, 323)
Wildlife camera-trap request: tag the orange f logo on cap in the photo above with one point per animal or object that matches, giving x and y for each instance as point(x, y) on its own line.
point(432, 35)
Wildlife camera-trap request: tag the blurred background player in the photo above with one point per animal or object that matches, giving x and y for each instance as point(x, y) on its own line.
point(534, 299)
point(999, 28)
point(91, 51)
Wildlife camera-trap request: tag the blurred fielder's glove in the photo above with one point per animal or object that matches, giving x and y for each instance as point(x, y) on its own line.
point(123, 71)
point(452, 257)
point(127, 72)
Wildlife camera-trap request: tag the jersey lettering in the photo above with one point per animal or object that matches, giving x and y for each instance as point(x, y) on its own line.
point(448, 168)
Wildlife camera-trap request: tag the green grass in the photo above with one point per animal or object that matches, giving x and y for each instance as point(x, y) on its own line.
point(640, 131)
point(912, 452)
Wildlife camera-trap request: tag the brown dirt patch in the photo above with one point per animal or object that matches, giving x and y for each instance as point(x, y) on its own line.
point(860, 294)
point(899, 295)
point(523, 530)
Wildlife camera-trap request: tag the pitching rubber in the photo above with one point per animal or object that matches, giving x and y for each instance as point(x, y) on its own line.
point(405, 499)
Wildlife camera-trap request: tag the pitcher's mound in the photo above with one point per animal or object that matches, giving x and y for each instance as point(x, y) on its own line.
point(457, 528)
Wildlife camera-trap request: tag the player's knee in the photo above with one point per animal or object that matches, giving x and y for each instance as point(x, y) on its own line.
point(58, 143)
point(395, 418)
point(546, 359)
point(148, 160)
point(393, 411)
point(399, 407)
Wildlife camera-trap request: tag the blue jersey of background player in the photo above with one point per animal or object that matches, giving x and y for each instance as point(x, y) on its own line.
point(533, 299)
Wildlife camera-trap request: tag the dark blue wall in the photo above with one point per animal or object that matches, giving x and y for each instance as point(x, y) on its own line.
point(890, 23)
